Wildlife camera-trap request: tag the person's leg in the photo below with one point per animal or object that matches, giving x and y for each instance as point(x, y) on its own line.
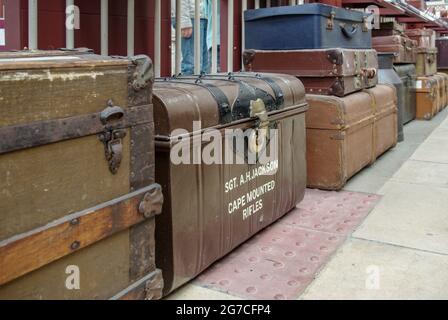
point(204, 50)
point(188, 54)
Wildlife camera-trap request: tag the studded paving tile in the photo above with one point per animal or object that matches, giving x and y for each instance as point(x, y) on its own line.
point(281, 261)
point(335, 212)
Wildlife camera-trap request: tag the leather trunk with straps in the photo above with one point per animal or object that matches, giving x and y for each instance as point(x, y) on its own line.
point(427, 98)
point(440, 91)
point(426, 62)
point(408, 76)
point(426, 38)
point(404, 49)
point(79, 199)
point(445, 77)
point(390, 28)
point(336, 72)
point(212, 206)
point(345, 135)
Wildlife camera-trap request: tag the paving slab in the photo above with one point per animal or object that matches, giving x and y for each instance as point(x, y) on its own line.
point(409, 215)
point(281, 261)
point(368, 270)
point(421, 172)
point(193, 292)
point(432, 150)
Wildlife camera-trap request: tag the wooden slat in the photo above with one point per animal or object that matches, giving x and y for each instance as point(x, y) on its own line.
point(26, 252)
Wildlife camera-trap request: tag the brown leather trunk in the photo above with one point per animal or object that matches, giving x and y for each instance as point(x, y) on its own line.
point(210, 209)
point(426, 38)
point(426, 62)
point(427, 98)
point(336, 72)
point(441, 96)
point(78, 198)
point(344, 135)
point(403, 47)
point(390, 28)
point(445, 88)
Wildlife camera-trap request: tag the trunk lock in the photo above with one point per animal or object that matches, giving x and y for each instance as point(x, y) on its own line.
point(258, 138)
point(112, 138)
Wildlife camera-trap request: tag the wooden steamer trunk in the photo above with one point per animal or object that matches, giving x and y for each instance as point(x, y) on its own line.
point(426, 62)
point(78, 199)
point(427, 98)
point(210, 207)
point(344, 135)
point(404, 49)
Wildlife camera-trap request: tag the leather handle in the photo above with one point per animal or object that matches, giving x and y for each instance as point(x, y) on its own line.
point(349, 32)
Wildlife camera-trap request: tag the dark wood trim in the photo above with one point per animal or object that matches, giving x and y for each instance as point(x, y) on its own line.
point(36, 134)
point(29, 251)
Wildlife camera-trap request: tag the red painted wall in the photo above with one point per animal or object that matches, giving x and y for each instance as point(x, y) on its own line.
point(51, 32)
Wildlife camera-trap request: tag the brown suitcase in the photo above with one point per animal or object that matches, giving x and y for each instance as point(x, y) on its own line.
point(403, 47)
point(440, 91)
point(444, 89)
point(390, 28)
point(426, 62)
point(210, 209)
point(78, 197)
point(426, 38)
point(344, 135)
point(427, 98)
point(329, 72)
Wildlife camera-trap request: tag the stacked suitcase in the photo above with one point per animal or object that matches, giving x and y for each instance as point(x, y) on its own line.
point(397, 54)
point(430, 88)
point(351, 120)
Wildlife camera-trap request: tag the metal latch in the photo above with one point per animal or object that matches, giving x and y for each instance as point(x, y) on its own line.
point(330, 21)
point(258, 138)
point(112, 138)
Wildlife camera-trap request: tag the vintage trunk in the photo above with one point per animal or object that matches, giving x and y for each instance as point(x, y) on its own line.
point(78, 197)
point(344, 135)
point(309, 26)
point(387, 75)
point(426, 38)
point(445, 77)
point(408, 76)
point(384, 101)
point(391, 28)
point(330, 72)
point(402, 47)
point(426, 62)
point(440, 91)
point(442, 48)
point(211, 207)
point(427, 99)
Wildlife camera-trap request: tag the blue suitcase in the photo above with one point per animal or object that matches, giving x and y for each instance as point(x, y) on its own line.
point(309, 26)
